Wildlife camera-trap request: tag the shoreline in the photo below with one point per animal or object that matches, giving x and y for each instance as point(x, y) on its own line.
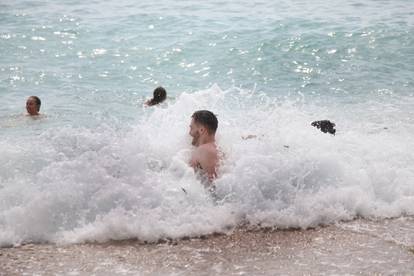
point(359, 246)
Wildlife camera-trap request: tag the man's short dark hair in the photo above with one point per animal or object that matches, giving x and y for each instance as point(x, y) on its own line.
point(207, 119)
point(38, 102)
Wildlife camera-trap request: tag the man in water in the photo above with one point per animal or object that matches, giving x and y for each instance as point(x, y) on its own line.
point(203, 130)
point(33, 105)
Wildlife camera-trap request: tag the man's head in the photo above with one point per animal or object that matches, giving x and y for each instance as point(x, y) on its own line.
point(33, 105)
point(203, 124)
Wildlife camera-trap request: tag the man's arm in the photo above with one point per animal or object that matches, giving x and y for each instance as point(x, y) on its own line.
point(194, 160)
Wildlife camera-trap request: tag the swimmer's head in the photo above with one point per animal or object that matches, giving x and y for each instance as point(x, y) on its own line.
point(159, 95)
point(207, 119)
point(33, 105)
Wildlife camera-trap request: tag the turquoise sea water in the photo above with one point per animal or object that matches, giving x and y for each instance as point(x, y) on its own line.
point(101, 166)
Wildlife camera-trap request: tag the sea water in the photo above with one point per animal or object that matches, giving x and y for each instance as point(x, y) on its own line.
point(98, 165)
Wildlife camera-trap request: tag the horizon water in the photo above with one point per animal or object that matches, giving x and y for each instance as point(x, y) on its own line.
point(100, 166)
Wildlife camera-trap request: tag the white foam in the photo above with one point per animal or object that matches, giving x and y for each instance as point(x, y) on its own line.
point(76, 184)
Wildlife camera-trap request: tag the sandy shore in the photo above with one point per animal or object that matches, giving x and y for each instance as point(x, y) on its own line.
point(359, 247)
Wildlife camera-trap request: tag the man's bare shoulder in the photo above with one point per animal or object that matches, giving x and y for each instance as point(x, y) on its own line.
point(209, 147)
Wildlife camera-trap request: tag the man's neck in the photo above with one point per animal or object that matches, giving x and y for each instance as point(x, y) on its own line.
point(206, 140)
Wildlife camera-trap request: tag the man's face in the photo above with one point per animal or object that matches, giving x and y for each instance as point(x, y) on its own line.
point(195, 132)
point(31, 106)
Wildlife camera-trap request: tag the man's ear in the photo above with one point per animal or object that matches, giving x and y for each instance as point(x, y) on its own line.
point(202, 130)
